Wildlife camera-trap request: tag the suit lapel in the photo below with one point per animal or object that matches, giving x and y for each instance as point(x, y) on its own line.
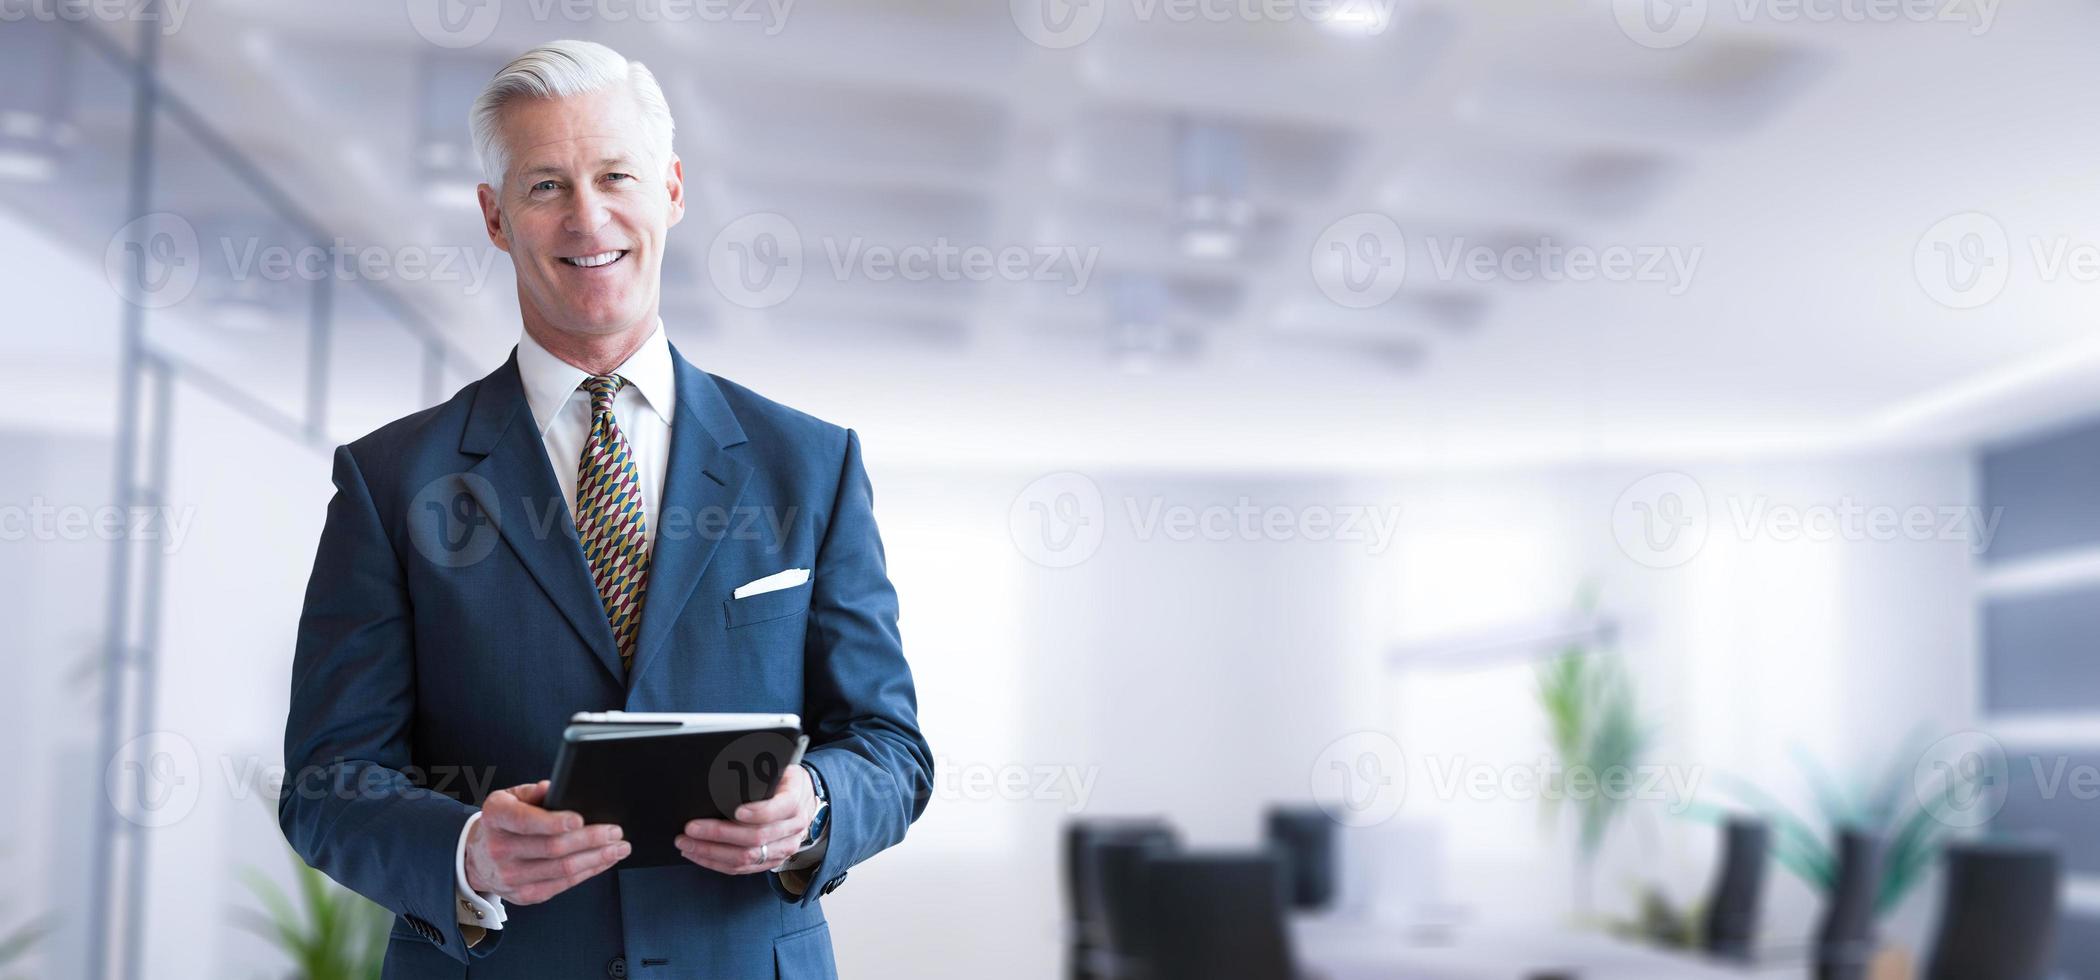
point(517, 489)
point(702, 483)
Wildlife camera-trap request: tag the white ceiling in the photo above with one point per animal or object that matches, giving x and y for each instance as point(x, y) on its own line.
point(1798, 163)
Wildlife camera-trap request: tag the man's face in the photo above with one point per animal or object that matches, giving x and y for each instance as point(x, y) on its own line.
point(584, 211)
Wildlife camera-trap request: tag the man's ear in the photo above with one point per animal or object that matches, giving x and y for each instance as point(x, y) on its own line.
point(492, 216)
point(674, 183)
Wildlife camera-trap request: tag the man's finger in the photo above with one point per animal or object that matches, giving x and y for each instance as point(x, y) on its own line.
point(509, 813)
point(533, 793)
point(737, 859)
point(535, 892)
point(769, 810)
point(585, 862)
point(743, 834)
point(536, 847)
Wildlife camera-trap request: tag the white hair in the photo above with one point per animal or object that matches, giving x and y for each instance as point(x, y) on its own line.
point(559, 69)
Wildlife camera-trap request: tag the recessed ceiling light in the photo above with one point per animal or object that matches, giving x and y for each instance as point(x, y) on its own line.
point(453, 194)
point(27, 166)
point(1209, 243)
point(1358, 18)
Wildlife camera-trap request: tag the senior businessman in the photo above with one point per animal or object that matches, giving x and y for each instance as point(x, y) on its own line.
point(597, 524)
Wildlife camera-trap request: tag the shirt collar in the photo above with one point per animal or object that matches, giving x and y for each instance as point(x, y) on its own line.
point(550, 381)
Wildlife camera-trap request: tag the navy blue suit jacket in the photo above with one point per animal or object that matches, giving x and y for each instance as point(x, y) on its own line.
point(451, 627)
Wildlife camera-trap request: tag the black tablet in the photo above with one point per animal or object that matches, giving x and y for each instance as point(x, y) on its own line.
point(653, 772)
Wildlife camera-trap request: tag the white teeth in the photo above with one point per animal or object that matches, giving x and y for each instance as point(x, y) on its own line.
point(594, 261)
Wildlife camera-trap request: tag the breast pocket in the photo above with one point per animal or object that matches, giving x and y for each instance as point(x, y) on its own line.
point(769, 624)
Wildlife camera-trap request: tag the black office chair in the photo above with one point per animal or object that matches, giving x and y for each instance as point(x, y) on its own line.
point(1305, 836)
point(1738, 895)
point(1123, 869)
point(1845, 940)
point(1217, 917)
point(1087, 949)
point(1998, 919)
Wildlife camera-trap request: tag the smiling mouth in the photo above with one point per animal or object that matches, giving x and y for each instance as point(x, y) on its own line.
point(595, 261)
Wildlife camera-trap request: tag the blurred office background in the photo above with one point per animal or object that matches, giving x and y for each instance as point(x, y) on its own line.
point(1377, 411)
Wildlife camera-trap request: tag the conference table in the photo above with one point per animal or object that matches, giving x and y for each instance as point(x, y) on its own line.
point(1337, 948)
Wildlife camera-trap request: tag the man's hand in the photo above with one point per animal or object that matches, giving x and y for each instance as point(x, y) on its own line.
point(527, 855)
point(733, 846)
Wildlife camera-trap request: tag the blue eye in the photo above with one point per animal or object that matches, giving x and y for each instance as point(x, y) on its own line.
point(618, 177)
point(545, 185)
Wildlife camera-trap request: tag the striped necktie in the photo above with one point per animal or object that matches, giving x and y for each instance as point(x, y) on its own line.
point(609, 517)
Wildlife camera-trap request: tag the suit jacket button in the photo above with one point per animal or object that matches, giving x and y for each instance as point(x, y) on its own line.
point(832, 885)
point(616, 968)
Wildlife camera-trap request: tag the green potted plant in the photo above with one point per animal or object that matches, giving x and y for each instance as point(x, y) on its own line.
point(332, 933)
point(1593, 722)
point(1891, 806)
point(18, 943)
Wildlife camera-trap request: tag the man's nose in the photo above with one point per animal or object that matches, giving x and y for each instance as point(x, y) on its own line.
point(588, 212)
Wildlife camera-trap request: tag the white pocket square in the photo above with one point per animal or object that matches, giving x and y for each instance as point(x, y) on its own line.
point(772, 583)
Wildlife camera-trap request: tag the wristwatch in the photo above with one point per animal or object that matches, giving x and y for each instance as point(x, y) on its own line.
point(823, 816)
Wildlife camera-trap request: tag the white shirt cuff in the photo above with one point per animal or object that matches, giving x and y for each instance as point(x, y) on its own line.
point(475, 908)
point(809, 857)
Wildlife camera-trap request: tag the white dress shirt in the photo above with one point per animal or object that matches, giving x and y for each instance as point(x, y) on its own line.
point(644, 408)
